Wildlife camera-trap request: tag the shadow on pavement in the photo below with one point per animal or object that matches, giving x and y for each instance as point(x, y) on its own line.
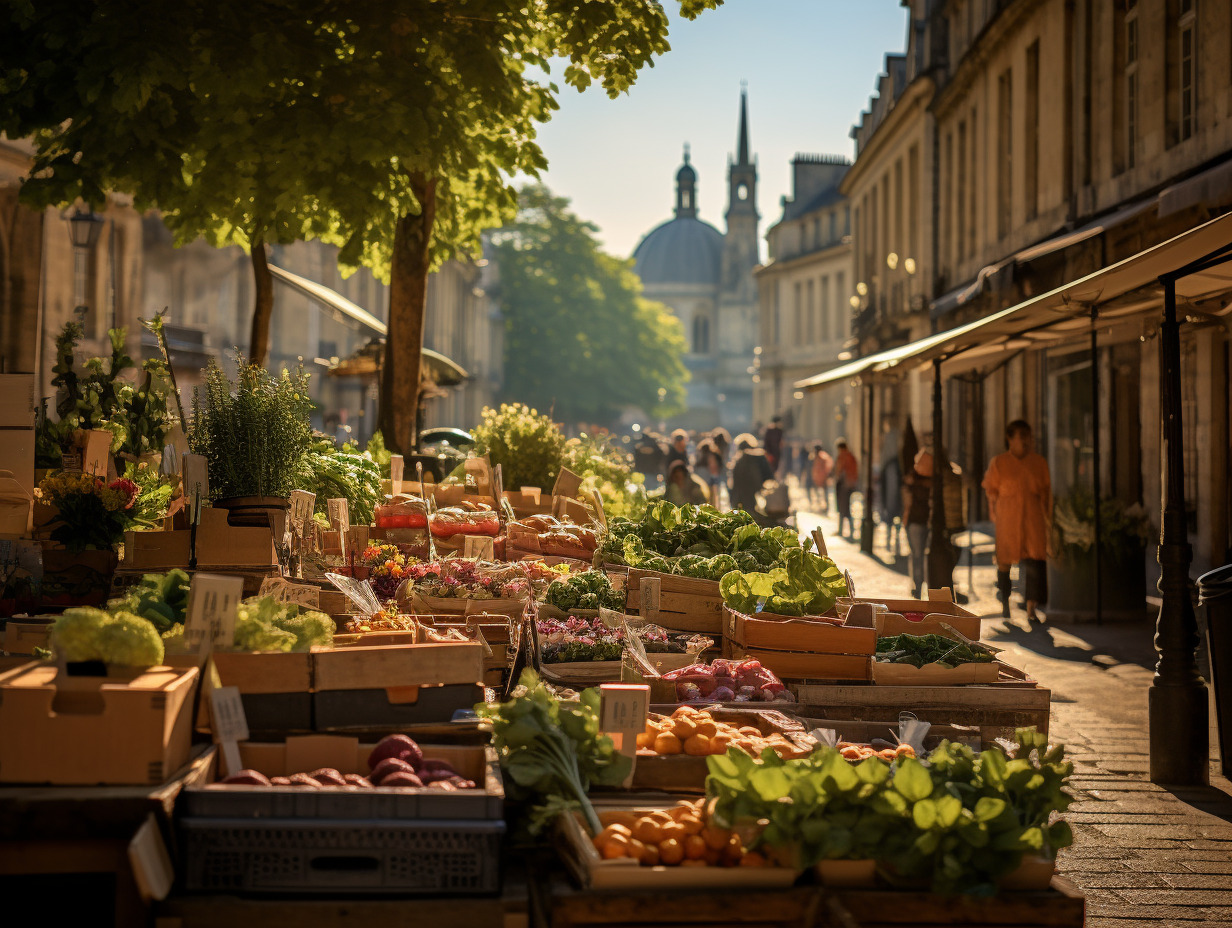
point(1208, 799)
point(1100, 646)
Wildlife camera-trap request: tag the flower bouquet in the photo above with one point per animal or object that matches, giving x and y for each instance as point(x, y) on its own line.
point(450, 585)
point(91, 513)
point(386, 567)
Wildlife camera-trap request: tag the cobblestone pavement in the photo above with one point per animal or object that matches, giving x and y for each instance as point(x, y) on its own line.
point(1143, 855)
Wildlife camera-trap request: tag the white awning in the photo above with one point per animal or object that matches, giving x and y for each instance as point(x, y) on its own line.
point(328, 297)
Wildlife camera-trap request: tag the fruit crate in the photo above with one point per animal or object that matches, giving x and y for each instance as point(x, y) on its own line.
point(685, 604)
point(799, 648)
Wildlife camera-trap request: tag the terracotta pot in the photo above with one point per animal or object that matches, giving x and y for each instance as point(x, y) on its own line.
point(847, 874)
point(1034, 873)
point(254, 510)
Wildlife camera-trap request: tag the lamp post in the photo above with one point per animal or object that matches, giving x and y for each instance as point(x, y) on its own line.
point(84, 228)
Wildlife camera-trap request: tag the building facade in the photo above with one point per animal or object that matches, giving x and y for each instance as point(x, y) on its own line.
point(706, 278)
point(805, 317)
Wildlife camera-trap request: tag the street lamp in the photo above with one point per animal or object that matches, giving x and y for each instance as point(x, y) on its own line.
point(83, 231)
point(892, 260)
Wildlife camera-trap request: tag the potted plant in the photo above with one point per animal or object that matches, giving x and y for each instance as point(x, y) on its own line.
point(252, 433)
point(526, 444)
point(1124, 531)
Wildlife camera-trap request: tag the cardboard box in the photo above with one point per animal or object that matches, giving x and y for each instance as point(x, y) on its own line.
point(17, 406)
point(17, 456)
point(94, 730)
point(220, 544)
point(16, 505)
point(23, 637)
point(156, 550)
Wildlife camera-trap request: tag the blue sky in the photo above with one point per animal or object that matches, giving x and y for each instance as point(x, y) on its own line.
point(811, 66)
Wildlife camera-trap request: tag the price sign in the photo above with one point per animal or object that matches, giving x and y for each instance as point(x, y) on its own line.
point(284, 591)
point(356, 542)
point(622, 714)
point(649, 592)
point(339, 514)
point(479, 547)
point(611, 618)
point(229, 724)
point(210, 619)
point(302, 504)
point(196, 483)
point(396, 466)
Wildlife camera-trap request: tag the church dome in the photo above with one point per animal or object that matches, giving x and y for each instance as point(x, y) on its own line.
point(684, 250)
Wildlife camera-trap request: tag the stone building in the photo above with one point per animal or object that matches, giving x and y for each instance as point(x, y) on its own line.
point(706, 278)
point(803, 291)
point(1056, 138)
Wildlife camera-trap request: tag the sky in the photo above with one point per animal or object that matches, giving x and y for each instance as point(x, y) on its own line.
point(811, 66)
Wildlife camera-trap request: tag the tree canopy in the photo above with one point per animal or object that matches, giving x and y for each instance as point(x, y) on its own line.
point(392, 129)
point(579, 336)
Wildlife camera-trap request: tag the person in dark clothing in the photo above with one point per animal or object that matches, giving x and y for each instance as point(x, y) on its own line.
point(918, 490)
point(846, 482)
point(708, 465)
point(750, 469)
point(679, 450)
point(648, 457)
point(773, 443)
point(684, 487)
point(802, 462)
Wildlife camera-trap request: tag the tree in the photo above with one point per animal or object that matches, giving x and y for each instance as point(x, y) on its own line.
point(579, 337)
point(392, 129)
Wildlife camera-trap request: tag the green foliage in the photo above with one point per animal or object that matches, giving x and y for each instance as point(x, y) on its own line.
point(961, 822)
point(1124, 530)
point(590, 589)
point(806, 584)
point(551, 751)
point(379, 453)
point(252, 433)
point(333, 473)
point(153, 497)
point(526, 444)
point(918, 650)
point(160, 599)
point(579, 337)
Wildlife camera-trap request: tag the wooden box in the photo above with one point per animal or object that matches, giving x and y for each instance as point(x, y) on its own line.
point(275, 687)
point(685, 604)
point(24, 636)
point(888, 674)
point(932, 613)
point(799, 648)
point(94, 730)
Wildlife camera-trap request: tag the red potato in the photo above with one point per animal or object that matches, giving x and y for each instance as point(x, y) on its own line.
point(403, 747)
point(302, 779)
point(280, 781)
point(401, 778)
point(386, 767)
point(247, 778)
point(328, 776)
point(443, 785)
point(354, 779)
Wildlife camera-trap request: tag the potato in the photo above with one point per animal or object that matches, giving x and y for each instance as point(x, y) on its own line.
point(695, 847)
point(402, 747)
point(406, 778)
point(648, 831)
point(328, 776)
point(684, 729)
point(674, 831)
point(247, 778)
point(707, 729)
point(684, 712)
point(387, 766)
point(691, 824)
point(667, 744)
point(719, 744)
point(663, 817)
point(645, 740)
point(650, 855)
point(614, 846)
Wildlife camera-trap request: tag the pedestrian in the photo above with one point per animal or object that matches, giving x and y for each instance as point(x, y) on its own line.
point(918, 488)
point(679, 450)
point(648, 456)
point(683, 487)
point(802, 461)
point(722, 442)
point(773, 443)
point(1020, 502)
point(822, 465)
point(749, 470)
point(708, 465)
point(846, 481)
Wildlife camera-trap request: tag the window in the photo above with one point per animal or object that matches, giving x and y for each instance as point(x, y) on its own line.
point(817, 232)
point(897, 244)
point(962, 189)
point(810, 334)
point(701, 335)
point(913, 196)
point(1005, 151)
point(1181, 79)
point(823, 328)
point(1188, 61)
point(947, 218)
point(797, 329)
point(974, 186)
point(778, 331)
point(1131, 84)
point(840, 290)
point(1031, 128)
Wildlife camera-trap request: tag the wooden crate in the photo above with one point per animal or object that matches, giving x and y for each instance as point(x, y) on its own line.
point(995, 709)
point(685, 604)
point(799, 648)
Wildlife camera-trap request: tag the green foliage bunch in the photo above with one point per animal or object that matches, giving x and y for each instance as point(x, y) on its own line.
point(806, 584)
point(333, 472)
point(527, 444)
point(252, 433)
point(961, 821)
point(1124, 530)
point(607, 468)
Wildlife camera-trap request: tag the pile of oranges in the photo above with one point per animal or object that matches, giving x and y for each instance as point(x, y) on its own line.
point(680, 836)
point(696, 732)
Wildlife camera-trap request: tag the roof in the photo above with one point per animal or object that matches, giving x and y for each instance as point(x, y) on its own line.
point(827, 196)
point(683, 250)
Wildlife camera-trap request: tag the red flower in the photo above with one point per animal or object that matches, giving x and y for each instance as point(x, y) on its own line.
point(128, 488)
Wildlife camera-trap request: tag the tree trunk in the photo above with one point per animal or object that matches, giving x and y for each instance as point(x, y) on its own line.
point(263, 309)
point(408, 293)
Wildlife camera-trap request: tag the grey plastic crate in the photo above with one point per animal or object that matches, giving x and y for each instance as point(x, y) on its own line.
point(355, 856)
point(343, 710)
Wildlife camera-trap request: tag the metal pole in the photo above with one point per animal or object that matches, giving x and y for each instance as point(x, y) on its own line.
point(866, 523)
point(1096, 475)
point(940, 569)
point(1178, 712)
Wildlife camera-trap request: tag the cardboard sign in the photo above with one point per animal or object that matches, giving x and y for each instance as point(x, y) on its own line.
point(96, 452)
point(397, 466)
point(479, 547)
point(339, 514)
point(356, 543)
point(567, 484)
point(210, 620)
point(229, 723)
point(600, 515)
point(648, 592)
point(302, 505)
point(151, 864)
point(196, 484)
point(284, 591)
point(622, 714)
point(70, 462)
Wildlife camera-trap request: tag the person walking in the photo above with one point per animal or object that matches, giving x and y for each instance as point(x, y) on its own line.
point(1019, 491)
point(772, 442)
point(846, 482)
point(821, 467)
point(918, 488)
point(683, 487)
point(679, 450)
point(749, 470)
point(708, 466)
point(648, 457)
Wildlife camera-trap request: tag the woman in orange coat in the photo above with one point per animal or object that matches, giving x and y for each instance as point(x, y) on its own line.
point(1020, 502)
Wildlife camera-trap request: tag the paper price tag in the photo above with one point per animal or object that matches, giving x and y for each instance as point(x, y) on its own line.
point(210, 619)
point(397, 466)
point(479, 547)
point(611, 618)
point(302, 504)
point(356, 542)
point(196, 479)
point(339, 514)
point(151, 864)
point(623, 709)
point(284, 591)
point(648, 591)
point(229, 723)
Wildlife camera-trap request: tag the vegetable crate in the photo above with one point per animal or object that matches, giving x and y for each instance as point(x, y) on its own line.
point(686, 604)
point(799, 648)
point(996, 709)
point(492, 631)
point(264, 840)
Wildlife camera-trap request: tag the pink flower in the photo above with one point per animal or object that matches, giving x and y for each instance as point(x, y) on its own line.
point(128, 488)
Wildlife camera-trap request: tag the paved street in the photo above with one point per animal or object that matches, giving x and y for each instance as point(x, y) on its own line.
point(1143, 855)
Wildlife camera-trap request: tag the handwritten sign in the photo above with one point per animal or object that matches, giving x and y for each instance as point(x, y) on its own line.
point(284, 591)
point(339, 514)
point(623, 709)
point(210, 619)
point(302, 504)
point(479, 547)
point(229, 723)
point(648, 591)
point(356, 542)
point(396, 467)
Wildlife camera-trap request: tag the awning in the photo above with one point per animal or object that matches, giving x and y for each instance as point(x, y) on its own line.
point(1113, 291)
point(435, 367)
point(328, 297)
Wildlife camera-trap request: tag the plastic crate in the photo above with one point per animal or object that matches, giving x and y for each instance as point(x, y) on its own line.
point(353, 856)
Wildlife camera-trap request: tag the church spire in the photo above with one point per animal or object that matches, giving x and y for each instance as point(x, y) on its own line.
point(742, 147)
point(686, 188)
